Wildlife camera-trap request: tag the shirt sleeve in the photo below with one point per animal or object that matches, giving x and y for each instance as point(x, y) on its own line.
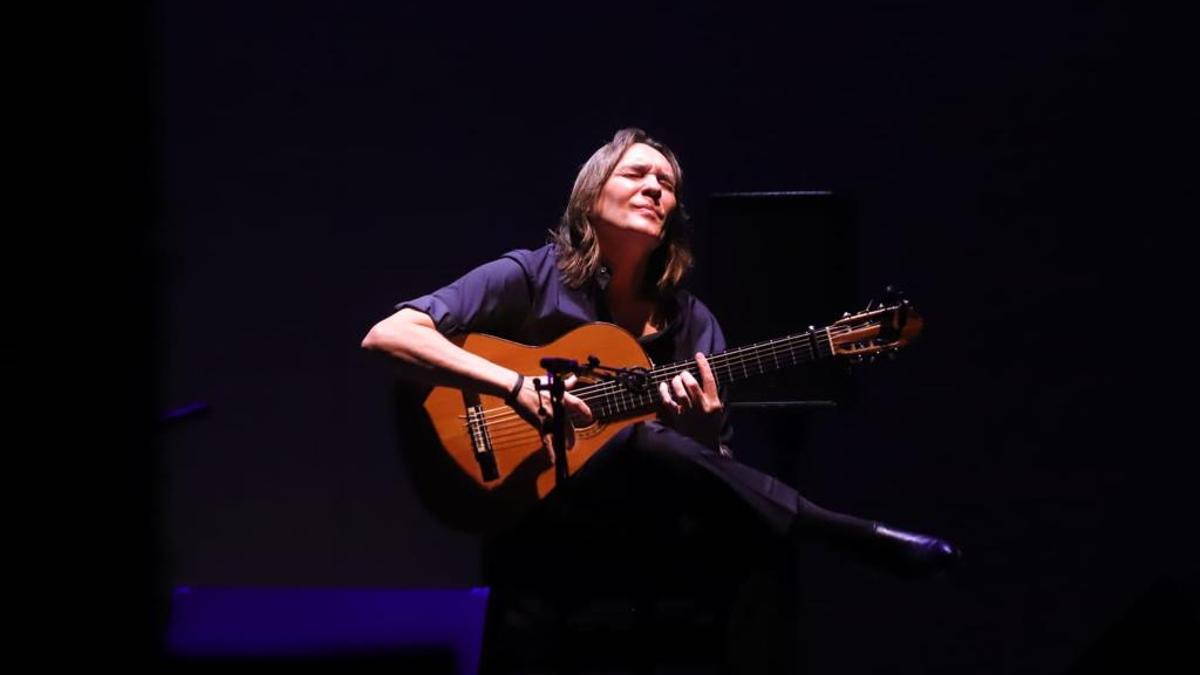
point(493, 298)
point(711, 340)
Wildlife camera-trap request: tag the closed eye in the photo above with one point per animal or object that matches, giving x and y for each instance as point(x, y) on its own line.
point(640, 170)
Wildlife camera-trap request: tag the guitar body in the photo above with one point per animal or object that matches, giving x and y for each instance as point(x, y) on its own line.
point(525, 474)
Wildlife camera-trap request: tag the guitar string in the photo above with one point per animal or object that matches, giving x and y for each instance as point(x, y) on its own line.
point(503, 434)
point(505, 438)
point(754, 355)
point(661, 375)
point(499, 418)
point(751, 354)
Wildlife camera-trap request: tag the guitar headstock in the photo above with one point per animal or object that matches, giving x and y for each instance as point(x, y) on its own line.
point(881, 330)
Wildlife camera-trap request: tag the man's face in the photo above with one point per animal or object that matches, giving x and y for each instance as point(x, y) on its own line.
point(639, 195)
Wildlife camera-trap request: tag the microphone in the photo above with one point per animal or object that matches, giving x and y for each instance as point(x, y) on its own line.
point(557, 365)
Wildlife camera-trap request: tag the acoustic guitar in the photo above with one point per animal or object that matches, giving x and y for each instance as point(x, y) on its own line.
point(502, 455)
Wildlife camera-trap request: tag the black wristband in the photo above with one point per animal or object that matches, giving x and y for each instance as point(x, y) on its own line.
point(512, 395)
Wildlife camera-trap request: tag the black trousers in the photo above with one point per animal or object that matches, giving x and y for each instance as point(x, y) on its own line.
point(655, 520)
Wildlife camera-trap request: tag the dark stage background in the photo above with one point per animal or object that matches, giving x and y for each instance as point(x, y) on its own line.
point(317, 162)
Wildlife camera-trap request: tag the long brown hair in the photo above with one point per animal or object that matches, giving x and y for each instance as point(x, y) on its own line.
point(575, 239)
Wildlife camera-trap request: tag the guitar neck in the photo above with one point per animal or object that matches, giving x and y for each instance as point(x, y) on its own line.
point(613, 399)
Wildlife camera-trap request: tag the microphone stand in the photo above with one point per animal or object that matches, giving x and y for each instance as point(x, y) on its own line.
point(557, 425)
point(634, 379)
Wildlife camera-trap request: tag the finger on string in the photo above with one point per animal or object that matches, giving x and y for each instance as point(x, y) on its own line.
point(706, 374)
point(597, 390)
point(681, 395)
point(510, 416)
point(539, 423)
point(505, 413)
point(667, 400)
point(579, 407)
point(693, 387)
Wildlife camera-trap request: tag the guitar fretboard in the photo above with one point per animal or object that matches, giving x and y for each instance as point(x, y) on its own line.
point(613, 399)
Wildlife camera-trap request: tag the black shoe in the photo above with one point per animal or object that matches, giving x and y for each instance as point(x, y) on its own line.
point(908, 553)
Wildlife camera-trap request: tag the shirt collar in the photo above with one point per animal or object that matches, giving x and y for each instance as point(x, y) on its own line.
point(600, 280)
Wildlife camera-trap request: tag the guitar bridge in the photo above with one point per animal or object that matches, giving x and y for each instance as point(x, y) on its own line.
point(481, 440)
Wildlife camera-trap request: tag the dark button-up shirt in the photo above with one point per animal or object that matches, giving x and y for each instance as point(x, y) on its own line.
point(522, 297)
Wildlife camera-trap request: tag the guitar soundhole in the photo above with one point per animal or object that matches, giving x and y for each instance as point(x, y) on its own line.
point(590, 431)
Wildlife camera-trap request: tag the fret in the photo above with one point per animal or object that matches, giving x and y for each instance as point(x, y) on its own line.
point(741, 363)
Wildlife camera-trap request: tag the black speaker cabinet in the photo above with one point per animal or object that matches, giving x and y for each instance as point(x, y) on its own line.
point(772, 264)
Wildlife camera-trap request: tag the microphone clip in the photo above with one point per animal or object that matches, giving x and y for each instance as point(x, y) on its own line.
point(635, 380)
